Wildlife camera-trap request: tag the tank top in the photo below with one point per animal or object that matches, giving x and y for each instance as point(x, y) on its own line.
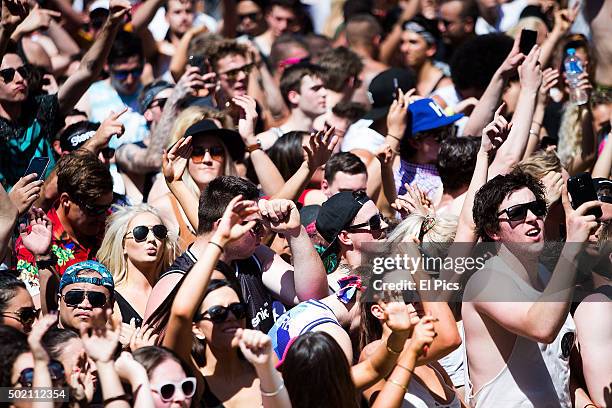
point(535, 375)
point(127, 311)
point(301, 319)
point(418, 396)
point(186, 237)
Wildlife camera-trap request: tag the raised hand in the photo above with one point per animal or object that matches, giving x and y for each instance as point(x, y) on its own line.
point(414, 201)
point(553, 185)
point(118, 10)
point(320, 148)
point(39, 328)
point(37, 238)
point(530, 71)
point(579, 225)
point(188, 83)
point(397, 317)
point(142, 337)
point(564, 19)
point(233, 224)
point(13, 13)
point(246, 123)
point(25, 192)
point(384, 154)
point(513, 60)
point(423, 335)
point(280, 216)
point(38, 19)
point(398, 112)
point(496, 132)
point(129, 369)
point(100, 336)
point(550, 78)
point(256, 346)
point(174, 162)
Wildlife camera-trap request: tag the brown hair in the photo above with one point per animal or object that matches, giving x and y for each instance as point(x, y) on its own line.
point(83, 177)
point(292, 78)
point(222, 48)
point(340, 65)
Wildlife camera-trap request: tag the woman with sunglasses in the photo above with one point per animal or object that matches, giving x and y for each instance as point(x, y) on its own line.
point(16, 305)
point(136, 248)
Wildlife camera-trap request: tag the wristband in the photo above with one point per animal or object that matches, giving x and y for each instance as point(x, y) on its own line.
point(217, 245)
point(255, 146)
point(390, 350)
point(394, 137)
point(122, 397)
point(273, 393)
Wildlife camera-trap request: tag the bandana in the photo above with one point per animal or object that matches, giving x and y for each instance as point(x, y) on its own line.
point(349, 285)
point(420, 30)
point(70, 276)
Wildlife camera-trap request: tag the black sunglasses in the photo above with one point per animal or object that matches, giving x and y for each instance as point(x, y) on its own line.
point(374, 223)
point(8, 74)
point(122, 74)
point(141, 232)
point(93, 210)
point(56, 369)
point(519, 212)
point(218, 314)
point(26, 316)
point(75, 297)
point(250, 16)
point(258, 228)
point(232, 74)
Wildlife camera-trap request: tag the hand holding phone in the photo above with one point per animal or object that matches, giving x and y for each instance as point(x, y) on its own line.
point(528, 40)
point(581, 190)
point(37, 165)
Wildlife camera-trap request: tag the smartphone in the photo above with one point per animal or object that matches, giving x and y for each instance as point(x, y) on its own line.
point(581, 189)
point(395, 88)
point(201, 62)
point(528, 40)
point(37, 165)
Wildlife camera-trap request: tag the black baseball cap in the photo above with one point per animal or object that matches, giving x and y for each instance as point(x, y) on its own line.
point(75, 135)
point(337, 214)
point(603, 187)
point(382, 88)
point(230, 138)
point(149, 92)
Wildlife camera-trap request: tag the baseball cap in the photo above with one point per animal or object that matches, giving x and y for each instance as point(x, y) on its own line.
point(603, 187)
point(382, 88)
point(149, 92)
point(337, 213)
point(230, 138)
point(75, 135)
point(71, 275)
point(427, 115)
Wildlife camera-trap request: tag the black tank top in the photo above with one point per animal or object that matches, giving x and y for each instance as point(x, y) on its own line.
point(127, 311)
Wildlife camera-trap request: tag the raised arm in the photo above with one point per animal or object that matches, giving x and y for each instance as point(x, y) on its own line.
point(8, 217)
point(564, 19)
point(13, 13)
point(604, 161)
point(91, 64)
point(588, 144)
point(145, 13)
point(549, 79)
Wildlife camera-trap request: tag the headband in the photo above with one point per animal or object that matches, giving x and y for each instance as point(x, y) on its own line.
point(419, 29)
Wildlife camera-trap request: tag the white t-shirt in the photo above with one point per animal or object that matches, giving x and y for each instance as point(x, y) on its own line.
point(360, 136)
point(508, 17)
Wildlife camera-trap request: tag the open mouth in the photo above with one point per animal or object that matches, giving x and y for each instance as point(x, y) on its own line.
point(533, 232)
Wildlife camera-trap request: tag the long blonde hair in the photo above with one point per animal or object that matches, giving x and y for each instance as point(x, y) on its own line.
point(188, 117)
point(111, 252)
point(438, 237)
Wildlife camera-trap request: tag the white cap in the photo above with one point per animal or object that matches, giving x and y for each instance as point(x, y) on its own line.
point(99, 4)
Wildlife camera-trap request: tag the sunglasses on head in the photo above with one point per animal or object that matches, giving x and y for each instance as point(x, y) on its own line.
point(8, 74)
point(75, 297)
point(232, 74)
point(122, 74)
point(56, 369)
point(26, 315)
point(374, 224)
point(519, 212)
point(218, 314)
point(250, 16)
point(167, 390)
point(141, 232)
point(217, 153)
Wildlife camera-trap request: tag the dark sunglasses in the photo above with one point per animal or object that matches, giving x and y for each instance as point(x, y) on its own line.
point(8, 74)
point(232, 74)
point(122, 74)
point(167, 390)
point(93, 210)
point(258, 228)
point(374, 224)
point(75, 297)
point(160, 103)
point(218, 314)
point(26, 316)
point(250, 16)
point(217, 153)
point(141, 232)
point(519, 212)
point(56, 369)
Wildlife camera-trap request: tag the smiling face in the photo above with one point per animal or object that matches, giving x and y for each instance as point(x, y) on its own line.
point(233, 75)
point(149, 251)
point(210, 167)
point(13, 89)
point(220, 335)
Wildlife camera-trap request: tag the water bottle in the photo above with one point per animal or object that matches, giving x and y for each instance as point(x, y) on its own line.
point(573, 69)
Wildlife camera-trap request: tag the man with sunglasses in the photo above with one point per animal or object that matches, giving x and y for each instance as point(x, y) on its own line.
point(518, 331)
point(84, 287)
point(29, 123)
point(73, 228)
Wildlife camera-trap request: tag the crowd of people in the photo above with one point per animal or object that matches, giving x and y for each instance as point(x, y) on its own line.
point(223, 175)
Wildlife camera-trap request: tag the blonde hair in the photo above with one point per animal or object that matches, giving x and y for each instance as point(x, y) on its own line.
point(570, 134)
point(438, 238)
point(188, 117)
point(111, 252)
point(540, 163)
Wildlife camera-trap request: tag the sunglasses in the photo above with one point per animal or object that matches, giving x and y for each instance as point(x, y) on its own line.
point(160, 103)
point(519, 212)
point(250, 16)
point(374, 224)
point(167, 390)
point(232, 74)
point(258, 228)
point(217, 153)
point(56, 369)
point(439, 134)
point(26, 316)
point(218, 314)
point(122, 74)
point(75, 297)
point(141, 232)
point(93, 210)
point(8, 74)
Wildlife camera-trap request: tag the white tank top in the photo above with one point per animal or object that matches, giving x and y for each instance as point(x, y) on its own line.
point(419, 397)
point(536, 374)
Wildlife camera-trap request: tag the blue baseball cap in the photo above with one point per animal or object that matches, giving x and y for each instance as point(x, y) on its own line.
point(71, 275)
point(428, 115)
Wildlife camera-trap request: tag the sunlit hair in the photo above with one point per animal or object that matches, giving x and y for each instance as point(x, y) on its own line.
point(192, 115)
point(438, 238)
point(540, 163)
point(111, 252)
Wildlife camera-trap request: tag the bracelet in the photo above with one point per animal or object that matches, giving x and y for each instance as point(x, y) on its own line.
point(217, 245)
point(273, 393)
point(590, 405)
point(399, 384)
point(390, 350)
point(394, 137)
point(404, 367)
point(122, 397)
point(533, 132)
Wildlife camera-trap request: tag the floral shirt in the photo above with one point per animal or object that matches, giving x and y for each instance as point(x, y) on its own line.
point(66, 251)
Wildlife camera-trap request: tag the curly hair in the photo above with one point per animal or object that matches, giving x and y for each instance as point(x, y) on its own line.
point(490, 196)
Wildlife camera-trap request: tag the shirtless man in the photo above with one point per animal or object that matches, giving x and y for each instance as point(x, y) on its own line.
point(597, 13)
point(518, 347)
